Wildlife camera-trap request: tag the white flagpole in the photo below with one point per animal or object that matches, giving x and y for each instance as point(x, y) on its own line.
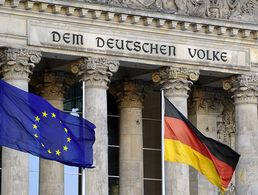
point(84, 116)
point(162, 143)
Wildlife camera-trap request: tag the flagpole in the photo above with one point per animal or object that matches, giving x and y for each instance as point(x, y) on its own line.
point(162, 143)
point(84, 116)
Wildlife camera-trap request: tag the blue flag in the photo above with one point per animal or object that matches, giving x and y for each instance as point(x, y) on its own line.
point(30, 124)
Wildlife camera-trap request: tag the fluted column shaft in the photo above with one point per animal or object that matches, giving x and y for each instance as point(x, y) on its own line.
point(244, 89)
point(176, 83)
point(16, 66)
point(96, 74)
point(129, 96)
point(51, 86)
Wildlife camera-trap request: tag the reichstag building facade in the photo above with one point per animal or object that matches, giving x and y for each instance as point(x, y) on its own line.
point(109, 60)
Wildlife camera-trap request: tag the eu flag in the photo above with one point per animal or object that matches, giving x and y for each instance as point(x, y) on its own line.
point(30, 124)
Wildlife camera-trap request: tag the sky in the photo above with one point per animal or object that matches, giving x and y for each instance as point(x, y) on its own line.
point(71, 178)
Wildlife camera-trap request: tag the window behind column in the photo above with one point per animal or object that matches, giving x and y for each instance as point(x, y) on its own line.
point(72, 175)
point(151, 144)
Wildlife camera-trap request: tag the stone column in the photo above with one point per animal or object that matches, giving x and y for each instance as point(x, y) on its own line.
point(51, 86)
point(244, 89)
point(16, 67)
point(129, 95)
point(96, 74)
point(176, 83)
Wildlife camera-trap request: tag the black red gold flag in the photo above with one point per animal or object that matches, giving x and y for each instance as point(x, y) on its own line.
point(184, 143)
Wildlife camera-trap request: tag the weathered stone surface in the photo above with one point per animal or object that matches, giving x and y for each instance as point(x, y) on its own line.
point(52, 85)
point(16, 67)
point(95, 71)
point(244, 10)
point(17, 64)
point(226, 128)
point(176, 83)
point(244, 89)
point(95, 74)
point(238, 10)
point(74, 38)
point(130, 97)
point(204, 107)
point(129, 94)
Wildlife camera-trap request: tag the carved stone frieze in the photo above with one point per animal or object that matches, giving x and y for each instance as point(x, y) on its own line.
point(223, 9)
point(129, 94)
point(52, 85)
point(96, 72)
point(18, 63)
point(175, 81)
point(243, 87)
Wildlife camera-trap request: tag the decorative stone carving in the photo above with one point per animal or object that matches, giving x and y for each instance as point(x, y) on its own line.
point(211, 8)
point(226, 131)
point(129, 94)
point(95, 71)
point(52, 85)
point(18, 63)
point(205, 100)
point(243, 87)
point(224, 9)
point(226, 123)
point(176, 81)
point(158, 5)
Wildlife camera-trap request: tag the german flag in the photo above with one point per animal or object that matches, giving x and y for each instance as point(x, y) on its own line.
point(184, 143)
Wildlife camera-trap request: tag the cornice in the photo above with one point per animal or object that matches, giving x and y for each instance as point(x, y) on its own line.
point(137, 17)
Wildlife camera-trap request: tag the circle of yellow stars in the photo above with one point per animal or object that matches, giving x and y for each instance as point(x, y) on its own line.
point(35, 126)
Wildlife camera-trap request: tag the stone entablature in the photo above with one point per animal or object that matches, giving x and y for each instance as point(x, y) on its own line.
point(236, 38)
point(140, 45)
point(238, 10)
point(136, 17)
point(223, 9)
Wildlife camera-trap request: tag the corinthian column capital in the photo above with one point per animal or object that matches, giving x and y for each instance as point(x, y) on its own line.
point(243, 87)
point(18, 63)
point(175, 81)
point(52, 85)
point(96, 72)
point(129, 94)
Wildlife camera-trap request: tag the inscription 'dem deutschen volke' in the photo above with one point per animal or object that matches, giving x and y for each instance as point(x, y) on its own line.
point(138, 46)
